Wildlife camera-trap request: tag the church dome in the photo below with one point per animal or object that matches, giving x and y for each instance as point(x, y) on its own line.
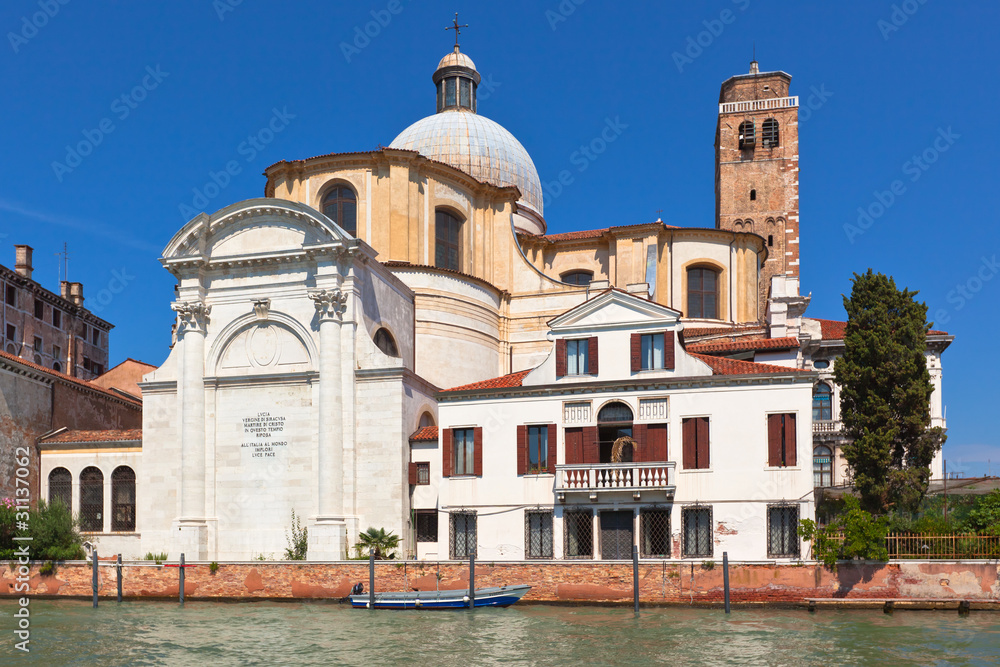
point(458, 136)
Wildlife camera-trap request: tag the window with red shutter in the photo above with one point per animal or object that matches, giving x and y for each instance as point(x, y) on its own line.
point(522, 450)
point(560, 358)
point(591, 447)
point(635, 350)
point(668, 350)
point(447, 452)
point(695, 435)
point(574, 445)
point(703, 439)
point(592, 356)
point(413, 474)
point(781, 440)
point(639, 435)
point(551, 453)
point(656, 443)
point(790, 441)
point(478, 453)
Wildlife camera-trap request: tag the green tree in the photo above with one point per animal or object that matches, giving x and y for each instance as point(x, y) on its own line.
point(384, 543)
point(855, 534)
point(885, 392)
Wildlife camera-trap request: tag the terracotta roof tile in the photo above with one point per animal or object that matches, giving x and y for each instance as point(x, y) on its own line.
point(742, 345)
point(68, 378)
point(835, 329)
point(113, 435)
point(427, 433)
point(575, 236)
point(723, 366)
point(690, 333)
point(502, 382)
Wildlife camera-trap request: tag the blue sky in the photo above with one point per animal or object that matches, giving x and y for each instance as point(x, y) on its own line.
point(883, 82)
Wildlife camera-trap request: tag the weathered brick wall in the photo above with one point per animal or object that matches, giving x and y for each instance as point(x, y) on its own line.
point(659, 582)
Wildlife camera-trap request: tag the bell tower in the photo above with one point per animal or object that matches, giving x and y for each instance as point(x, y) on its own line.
point(757, 168)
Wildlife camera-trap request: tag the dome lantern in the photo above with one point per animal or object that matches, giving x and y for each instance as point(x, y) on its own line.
point(456, 79)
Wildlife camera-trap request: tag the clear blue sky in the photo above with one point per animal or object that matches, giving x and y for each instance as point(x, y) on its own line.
point(559, 71)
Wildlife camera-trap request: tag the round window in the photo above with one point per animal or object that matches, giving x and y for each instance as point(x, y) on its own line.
point(821, 363)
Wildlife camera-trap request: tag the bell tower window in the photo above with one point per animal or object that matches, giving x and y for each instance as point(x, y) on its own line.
point(753, 195)
point(769, 130)
point(748, 134)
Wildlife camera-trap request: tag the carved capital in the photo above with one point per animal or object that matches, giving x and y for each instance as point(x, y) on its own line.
point(330, 304)
point(191, 316)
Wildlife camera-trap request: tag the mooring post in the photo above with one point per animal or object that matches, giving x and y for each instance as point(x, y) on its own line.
point(94, 577)
point(725, 577)
point(371, 579)
point(180, 588)
point(472, 581)
point(635, 578)
point(119, 568)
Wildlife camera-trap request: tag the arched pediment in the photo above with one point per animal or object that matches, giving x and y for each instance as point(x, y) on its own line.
point(253, 346)
point(254, 227)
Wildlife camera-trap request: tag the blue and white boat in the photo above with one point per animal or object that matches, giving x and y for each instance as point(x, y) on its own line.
point(501, 596)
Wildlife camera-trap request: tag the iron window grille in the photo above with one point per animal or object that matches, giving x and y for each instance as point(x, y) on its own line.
point(424, 475)
point(538, 534)
point(748, 134)
point(427, 525)
point(654, 533)
point(91, 500)
point(123, 499)
point(463, 535)
point(697, 531)
point(782, 531)
point(578, 540)
point(61, 487)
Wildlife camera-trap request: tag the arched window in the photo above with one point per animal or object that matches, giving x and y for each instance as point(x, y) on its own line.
point(384, 342)
point(822, 466)
point(447, 241)
point(614, 421)
point(38, 359)
point(91, 500)
point(703, 293)
point(123, 499)
point(748, 134)
point(56, 366)
point(426, 419)
point(769, 133)
point(822, 402)
point(11, 349)
point(753, 195)
point(577, 277)
point(341, 205)
point(61, 487)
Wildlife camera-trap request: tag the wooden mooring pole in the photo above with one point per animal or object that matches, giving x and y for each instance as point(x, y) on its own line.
point(180, 587)
point(119, 568)
point(725, 578)
point(371, 579)
point(635, 578)
point(94, 576)
point(472, 581)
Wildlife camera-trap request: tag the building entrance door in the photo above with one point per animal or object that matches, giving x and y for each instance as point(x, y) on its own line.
point(616, 535)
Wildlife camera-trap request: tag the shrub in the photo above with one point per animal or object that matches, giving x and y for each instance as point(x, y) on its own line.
point(47, 568)
point(984, 518)
point(213, 567)
point(298, 540)
point(52, 528)
point(854, 534)
point(708, 565)
point(384, 543)
point(158, 558)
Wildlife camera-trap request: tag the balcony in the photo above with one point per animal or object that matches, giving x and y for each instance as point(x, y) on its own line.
point(826, 427)
point(596, 478)
point(759, 105)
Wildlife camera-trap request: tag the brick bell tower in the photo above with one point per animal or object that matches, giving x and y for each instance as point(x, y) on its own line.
point(757, 169)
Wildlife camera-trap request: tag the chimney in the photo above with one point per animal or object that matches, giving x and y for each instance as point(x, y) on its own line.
point(64, 289)
point(22, 260)
point(76, 293)
point(754, 67)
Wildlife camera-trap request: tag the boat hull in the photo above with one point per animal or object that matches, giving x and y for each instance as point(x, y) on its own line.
point(503, 596)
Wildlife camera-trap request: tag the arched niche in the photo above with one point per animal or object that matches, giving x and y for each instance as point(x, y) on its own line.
point(253, 346)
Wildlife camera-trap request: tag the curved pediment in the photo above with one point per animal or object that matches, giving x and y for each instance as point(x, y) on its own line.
point(263, 347)
point(254, 227)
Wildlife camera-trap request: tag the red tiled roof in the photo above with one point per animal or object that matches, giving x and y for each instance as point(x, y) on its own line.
point(69, 378)
point(690, 332)
point(425, 434)
point(502, 382)
point(114, 435)
point(723, 366)
point(575, 236)
point(742, 345)
point(835, 329)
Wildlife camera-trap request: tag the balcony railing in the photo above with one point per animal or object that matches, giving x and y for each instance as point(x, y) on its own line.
point(759, 105)
point(826, 426)
point(594, 478)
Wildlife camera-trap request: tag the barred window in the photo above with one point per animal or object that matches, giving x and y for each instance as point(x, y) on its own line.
point(61, 487)
point(769, 131)
point(463, 535)
point(424, 474)
point(538, 534)
point(91, 500)
point(782, 531)
point(579, 537)
point(697, 531)
point(427, 525)
point(123, 499)
point(654, 533)
point(747, 134)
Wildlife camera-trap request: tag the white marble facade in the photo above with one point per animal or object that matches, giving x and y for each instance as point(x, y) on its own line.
point(256, 412)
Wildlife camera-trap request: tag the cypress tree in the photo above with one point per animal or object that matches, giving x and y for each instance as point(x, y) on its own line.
point(885, 391)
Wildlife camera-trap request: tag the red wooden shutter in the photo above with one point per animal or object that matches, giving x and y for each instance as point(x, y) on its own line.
point(413, 473)
point(447, 452)
point(668, 350)
point(574, 445)
point(689, 435)
point(592, 356)
point(790, 443)
point(636, 349)
point(774, 423)
point(522, 450)
point(639, 435)
point(656, 443)
point(560, 358)
point(550, 454)
point(591, 448)
point(477, 456)
point(703, 458)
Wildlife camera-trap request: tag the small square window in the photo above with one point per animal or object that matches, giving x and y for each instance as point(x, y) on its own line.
point(697, 531)
point(783, 531)
point(11, 332)
point(39, 309)
point(38, 344)
point(57, 318)
point(427, 525)
point(423, 473)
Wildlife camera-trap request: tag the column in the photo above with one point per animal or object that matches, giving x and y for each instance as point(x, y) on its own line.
point(192, 320)
point(328, 534)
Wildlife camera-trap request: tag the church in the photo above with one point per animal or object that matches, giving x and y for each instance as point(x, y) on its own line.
point(393, 339)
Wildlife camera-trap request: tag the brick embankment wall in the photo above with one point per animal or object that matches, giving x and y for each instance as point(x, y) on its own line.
point(659, 582)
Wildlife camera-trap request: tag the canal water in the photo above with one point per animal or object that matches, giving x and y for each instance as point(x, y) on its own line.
point(207, 634)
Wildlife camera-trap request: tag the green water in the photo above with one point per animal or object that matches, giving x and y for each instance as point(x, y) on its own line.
point(206, 634)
